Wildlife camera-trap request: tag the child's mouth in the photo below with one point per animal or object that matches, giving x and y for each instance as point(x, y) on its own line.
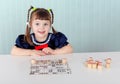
point(41, 32)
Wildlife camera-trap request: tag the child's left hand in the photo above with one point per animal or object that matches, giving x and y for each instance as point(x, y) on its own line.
point(48, 51)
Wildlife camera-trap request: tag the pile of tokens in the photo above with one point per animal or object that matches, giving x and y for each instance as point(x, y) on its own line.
point(63, 61)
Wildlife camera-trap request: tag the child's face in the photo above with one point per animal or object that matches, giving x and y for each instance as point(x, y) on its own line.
point(41, 28)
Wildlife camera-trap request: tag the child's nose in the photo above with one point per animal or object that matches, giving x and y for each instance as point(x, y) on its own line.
point(41, 27)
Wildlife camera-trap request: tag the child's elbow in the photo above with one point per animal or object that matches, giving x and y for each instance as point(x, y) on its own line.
point(12, 52)
point(70, 48)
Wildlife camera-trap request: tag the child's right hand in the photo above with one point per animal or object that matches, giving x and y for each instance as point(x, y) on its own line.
point(37, 53)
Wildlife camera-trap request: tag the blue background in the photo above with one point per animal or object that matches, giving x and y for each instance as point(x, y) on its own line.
point(90, 25)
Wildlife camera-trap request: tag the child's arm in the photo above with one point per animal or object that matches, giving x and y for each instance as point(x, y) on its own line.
point(26, 52)
point(64, 50)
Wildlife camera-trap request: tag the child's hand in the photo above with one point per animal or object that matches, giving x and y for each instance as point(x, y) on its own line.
point(48, 51)
point(37, 53)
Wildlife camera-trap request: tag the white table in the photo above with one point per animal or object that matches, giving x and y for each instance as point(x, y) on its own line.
point(16, 69)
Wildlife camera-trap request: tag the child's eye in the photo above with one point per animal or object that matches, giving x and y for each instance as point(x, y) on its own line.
point(45, 24)
point(36, 23)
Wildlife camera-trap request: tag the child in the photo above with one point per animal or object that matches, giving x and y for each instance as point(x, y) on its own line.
point(40, 41)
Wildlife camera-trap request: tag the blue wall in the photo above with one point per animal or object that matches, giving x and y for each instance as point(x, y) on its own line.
point(90, 25)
